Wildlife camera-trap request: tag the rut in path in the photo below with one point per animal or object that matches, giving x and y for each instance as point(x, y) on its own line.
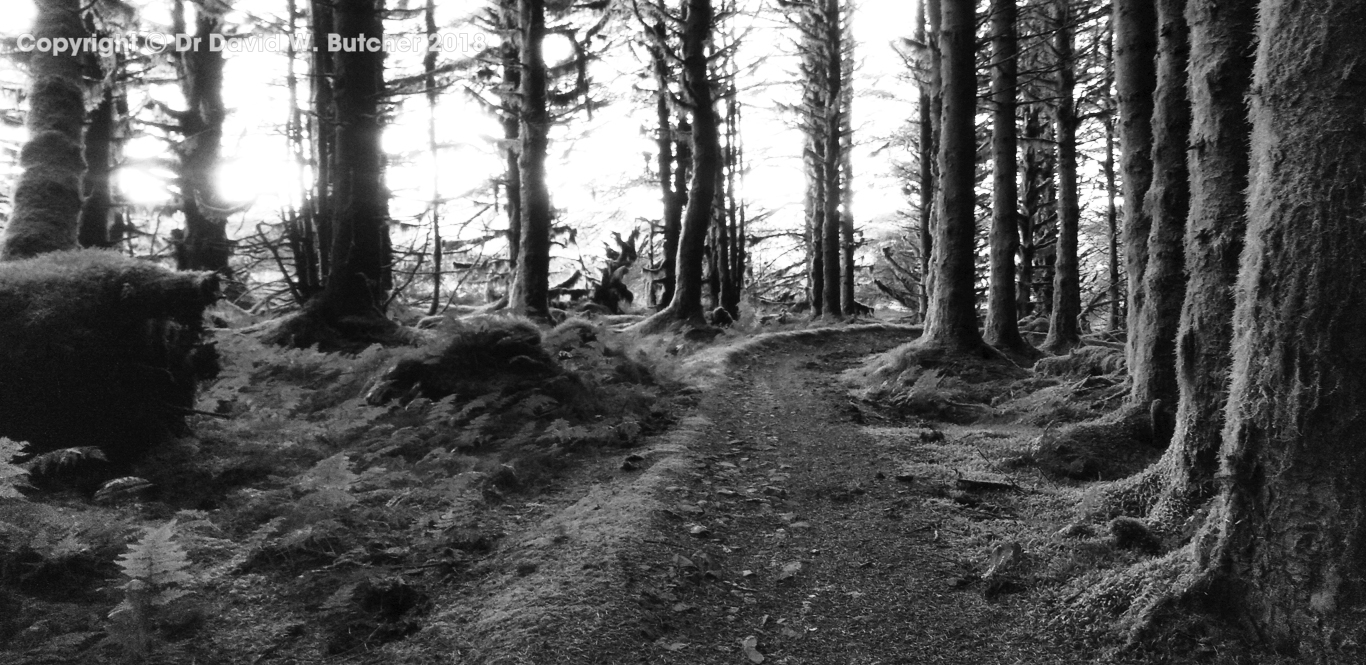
point(803, 531)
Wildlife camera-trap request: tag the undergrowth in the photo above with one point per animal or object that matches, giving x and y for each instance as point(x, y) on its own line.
point(322, 476)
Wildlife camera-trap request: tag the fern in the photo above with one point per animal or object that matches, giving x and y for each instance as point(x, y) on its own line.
point(11, 477)
point(157, 569)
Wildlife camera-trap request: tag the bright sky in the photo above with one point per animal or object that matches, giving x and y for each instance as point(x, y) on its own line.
point(586, 173)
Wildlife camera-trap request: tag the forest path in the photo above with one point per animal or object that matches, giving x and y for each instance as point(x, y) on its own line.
point(796, 532)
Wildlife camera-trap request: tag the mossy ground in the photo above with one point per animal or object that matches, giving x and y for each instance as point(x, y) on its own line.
point(656, 499)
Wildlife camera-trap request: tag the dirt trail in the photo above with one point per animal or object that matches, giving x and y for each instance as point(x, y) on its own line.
point(801, 527)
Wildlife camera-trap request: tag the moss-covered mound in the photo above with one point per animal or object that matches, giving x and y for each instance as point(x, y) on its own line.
point(476, 356)
point(97, 349)
point(1113, 446)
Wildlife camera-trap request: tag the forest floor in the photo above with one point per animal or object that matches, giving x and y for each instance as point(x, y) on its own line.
point(767, 511)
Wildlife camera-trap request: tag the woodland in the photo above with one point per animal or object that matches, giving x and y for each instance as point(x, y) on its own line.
point(547, 331)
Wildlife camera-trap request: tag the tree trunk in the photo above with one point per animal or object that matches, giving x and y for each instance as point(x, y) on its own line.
point(1222, 44)
point(510, 58)
point(1111, 184)
point(1064, 332)
point(1135, 25)
point(847, 244)
point(686, 306)
point(1002, 323)
point(672, 216)
point(205, 245)
point(47, 198)
point(530, 292)
point(832, 88)
point(952, 317)
point(1285, 541)
point(931, 116)
point(1153, 343)
point(99, 160)
point(361, 213)
point(324, 127)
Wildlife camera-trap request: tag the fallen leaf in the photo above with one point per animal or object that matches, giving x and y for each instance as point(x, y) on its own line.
point(750, 645)
point(790, 570)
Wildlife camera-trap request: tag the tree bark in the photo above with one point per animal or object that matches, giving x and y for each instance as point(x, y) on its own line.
point(952, 317)
point(530, 291)
point(1222, 43)
point(1153, 343)
point(205, 245)
point(686, 306)
point(47, 198)
point(506, 18)
point(1002, 322)
point(1064, 331)
point(832, 88)
point(1285, 547)
point(1111, 189)
point(672, 216)
point(1135, 28)
point(98, 185)
point(931, 116)
point(361, 213)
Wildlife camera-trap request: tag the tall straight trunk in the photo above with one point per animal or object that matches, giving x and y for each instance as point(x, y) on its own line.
point(1035, 207)
point(675, 206)
point(47, 198)
point(1135, 25)
point(1111, 189)
point(1063, 328)
point(324, 129)
point(1285, 541)
point(952, 318)
point(429, 72)
point(815, 226)
point(360, 256)
point(1222, 42)
point(1153, 345)
point(732, 214)
point(301, 222)
point(507, 20)
point(847, 245)
point(1002, 322)
point(99, 160)
point(672, 216)
point(929, 165)
point(205, 245)
point(530, 292)
point(686, 307)
point(833, 84)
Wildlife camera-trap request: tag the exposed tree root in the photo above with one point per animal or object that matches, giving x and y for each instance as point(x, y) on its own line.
point(1112, 446)
point(347, 334)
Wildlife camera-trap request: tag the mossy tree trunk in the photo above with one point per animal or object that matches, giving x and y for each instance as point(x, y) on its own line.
point(952, 318)
point(1153, 343)
point(832, 86)
point(1002, 321)
point(530, 291)
point(931, 123)
point(205, 245)
point(47, 198)
point(686, 306)
point(95, 222)
point(671, 219)
point(1064, 331)
point(1221, 58)
point(1285, 543)
point(1135, 25)
point(349, 312)
point(505, 17)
